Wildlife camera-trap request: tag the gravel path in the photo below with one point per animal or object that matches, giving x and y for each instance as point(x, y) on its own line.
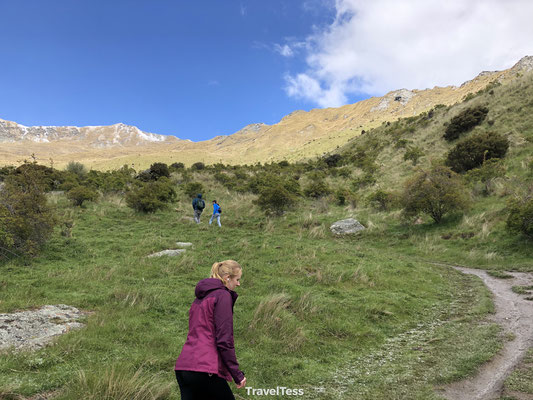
point(515, 314)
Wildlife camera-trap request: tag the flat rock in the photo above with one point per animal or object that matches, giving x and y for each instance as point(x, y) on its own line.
point(34, 329)
point(346, 227)
point(170, 253)
point(183, 244)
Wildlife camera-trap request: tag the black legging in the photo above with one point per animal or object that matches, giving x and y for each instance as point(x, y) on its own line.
point(203, 386)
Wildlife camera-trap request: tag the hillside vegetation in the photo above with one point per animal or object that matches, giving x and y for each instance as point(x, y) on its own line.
point(370, 316)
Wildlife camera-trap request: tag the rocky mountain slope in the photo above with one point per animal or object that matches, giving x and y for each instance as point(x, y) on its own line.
point(298, 135)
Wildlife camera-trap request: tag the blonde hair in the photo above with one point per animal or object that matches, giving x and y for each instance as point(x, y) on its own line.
point(224, 269)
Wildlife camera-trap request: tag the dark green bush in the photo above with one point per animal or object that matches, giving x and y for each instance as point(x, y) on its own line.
point(159, 170)
point(465, 121)
point(198, 166)
point(79, 194)
point(177, 166)
point(151, 196)
point(436, 193)
point(275, 199)
point(333, 160)
point(192, 189)
point(471, 152)
point(520, 217)
point(26, 221)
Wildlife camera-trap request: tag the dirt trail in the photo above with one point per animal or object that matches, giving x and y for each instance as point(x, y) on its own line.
point(515, 314)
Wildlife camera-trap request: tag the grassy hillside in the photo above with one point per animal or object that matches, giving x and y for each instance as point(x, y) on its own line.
point(368, 317)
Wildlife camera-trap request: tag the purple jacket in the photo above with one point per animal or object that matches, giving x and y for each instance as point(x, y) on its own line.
point(209, 346)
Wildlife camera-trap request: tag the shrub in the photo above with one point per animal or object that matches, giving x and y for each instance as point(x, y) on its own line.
point(435, 192)
point(275, 199)
point(77, 168)
point(151, 196)
point(177, 166)
point(413, 154)
point(473, 151)
point(486, 174)
point(344, 196)
point(158, 170)
point(317, 186)
point(520, 216)
point(261, 181)
point(79, 194)
point(192, 189)
point(26, 221)
point(363, 181)
point(465, 121)
point(333, 160)
point(382, 200)
point(198, 166)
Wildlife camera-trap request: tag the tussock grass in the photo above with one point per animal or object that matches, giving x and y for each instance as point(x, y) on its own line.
point(117, 384)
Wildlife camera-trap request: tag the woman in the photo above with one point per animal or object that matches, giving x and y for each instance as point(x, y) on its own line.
point(216, 213)
point(208, 359)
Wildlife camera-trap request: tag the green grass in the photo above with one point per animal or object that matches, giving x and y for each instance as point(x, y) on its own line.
point(521, 380)
point(309, 303)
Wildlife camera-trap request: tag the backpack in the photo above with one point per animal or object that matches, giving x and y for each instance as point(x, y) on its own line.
point(200, 204)
point(219, 210)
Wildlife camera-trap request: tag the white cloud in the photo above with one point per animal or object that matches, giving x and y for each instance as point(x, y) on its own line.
point(284, 50)
point(373, 47)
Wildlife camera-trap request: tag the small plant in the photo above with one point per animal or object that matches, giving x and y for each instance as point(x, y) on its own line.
point(520, 217)
point(413, 154)
point(363, 181)
point(382, 200)
point(465, 121)
point(486, 174)
point(473, 151)
point(79, 194)
point(436, 193)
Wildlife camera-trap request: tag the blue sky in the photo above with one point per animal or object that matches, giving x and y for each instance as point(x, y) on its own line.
point(197, 69)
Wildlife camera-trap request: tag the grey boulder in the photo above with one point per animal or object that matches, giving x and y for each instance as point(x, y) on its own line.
point(346, 227)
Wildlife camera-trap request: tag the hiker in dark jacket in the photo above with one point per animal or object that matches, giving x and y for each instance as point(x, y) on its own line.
point(198, 205)
point(208, 359)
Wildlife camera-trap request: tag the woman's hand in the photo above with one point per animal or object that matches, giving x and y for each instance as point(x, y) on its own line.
point(242, 384)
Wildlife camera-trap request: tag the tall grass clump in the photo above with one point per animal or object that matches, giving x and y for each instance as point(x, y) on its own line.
point(117, 384)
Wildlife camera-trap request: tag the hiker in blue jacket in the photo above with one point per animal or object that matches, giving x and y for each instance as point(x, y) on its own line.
point(198, 205)
point(216, 213)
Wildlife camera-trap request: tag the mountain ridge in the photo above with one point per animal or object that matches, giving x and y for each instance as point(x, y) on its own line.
point(298, 135)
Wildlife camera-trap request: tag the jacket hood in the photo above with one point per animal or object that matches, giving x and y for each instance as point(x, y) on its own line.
point(206, 286)
point(199, 195)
